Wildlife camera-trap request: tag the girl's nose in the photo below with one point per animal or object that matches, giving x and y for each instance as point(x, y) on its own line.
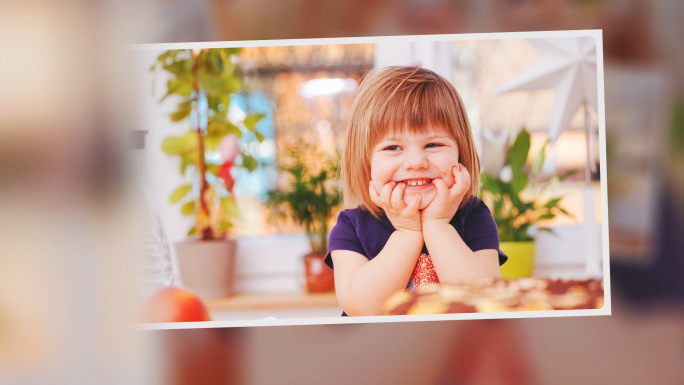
point(416, 160)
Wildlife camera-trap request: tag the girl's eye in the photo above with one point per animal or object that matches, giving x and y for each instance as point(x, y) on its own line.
point(392, 148)
point(433, 145)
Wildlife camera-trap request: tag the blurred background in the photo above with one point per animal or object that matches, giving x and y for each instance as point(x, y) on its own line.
point(65, 309)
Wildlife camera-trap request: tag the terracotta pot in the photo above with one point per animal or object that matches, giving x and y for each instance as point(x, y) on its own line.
point(319, 277)
point(208, 267)
point(520, 262)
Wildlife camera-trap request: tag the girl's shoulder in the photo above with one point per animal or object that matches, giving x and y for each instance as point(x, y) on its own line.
point(349, 218)
point(475, 210)
point(356, 214)
point(475, 205)
point(351, 215)
point(360, 217)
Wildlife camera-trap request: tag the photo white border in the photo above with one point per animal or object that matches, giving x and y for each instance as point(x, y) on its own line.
point(605, 310)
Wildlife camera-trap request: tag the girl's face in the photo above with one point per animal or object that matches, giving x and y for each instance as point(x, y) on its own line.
point(415, 159)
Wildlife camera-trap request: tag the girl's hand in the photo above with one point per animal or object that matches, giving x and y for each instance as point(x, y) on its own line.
point(445, 204)
point(391, 200)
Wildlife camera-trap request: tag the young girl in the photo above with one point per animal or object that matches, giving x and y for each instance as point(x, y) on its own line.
point(410, 165)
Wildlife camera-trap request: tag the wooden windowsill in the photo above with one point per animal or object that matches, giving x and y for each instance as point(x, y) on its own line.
point(242, 301)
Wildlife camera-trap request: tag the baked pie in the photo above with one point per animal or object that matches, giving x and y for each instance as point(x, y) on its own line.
point(489, 295)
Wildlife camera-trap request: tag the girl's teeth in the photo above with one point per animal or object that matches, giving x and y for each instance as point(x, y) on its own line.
point(417, 182)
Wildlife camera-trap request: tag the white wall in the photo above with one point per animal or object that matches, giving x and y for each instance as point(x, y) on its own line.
point(162, 171)
point(433, 55)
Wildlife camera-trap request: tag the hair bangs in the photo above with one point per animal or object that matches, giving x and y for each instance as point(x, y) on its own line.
point(414, 107)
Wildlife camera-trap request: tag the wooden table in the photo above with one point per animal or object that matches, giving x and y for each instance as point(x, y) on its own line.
point(243, 306)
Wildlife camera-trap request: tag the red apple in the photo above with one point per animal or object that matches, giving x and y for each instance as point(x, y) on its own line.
point(173, 304)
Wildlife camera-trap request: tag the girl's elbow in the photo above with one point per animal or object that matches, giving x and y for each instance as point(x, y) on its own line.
point(356, 306)
point(360, 312)
point(356, 309)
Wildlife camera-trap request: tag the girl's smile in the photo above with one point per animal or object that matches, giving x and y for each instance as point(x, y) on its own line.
point(418, 184)
point(415, 159)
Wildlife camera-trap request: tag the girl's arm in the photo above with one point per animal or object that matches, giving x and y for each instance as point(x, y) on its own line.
point(453, 260)
point(363, 285)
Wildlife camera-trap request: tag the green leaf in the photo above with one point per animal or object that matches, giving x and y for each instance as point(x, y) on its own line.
point(179, 145)
point(220, 128)
point(517, 155)
point(519, 182)
point(180, 85)
point(229, 83)
point(225, 225)
point(568, 174)
point(163, 56)
point(213, 168)
point(521, 233)
point(218, 103)
point(526, 206)
point(234, 130)
point(249, 162)
point(185, 162)
point(229, 207)
point(183, 111)
point(515, 200)
point(211, 143)
point(173, 145)
point(188, 208)
point(546, 216)
point(181, 67)
point(216, 130)
point(260, 137)
point(252, 120)
point(552, 203)
point(179, 193)
point(213, 84)
point(208, 82)
point(192, 231)
point(491, 184)
point(565, 212)
point(539, 161)
point(214, 60)
point(215, 133)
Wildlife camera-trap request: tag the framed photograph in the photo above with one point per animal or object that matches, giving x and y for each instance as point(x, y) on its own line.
point(372, 179)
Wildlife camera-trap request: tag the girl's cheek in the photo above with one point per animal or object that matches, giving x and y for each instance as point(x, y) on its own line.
point(380, 174)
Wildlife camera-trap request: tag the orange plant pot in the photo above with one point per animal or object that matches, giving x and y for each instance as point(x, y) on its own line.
point(319, 277)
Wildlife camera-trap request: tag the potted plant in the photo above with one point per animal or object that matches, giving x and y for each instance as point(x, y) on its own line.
point(514, 197)
point(201, 82)
point(309, 198)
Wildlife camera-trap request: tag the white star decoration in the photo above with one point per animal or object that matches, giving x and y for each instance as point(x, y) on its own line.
point(568, 65)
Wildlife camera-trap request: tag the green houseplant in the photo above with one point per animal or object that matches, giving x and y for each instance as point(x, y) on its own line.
point(515, 199)
point(309, 198)
point(200, 83)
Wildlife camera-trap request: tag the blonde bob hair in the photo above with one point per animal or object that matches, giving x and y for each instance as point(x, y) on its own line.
point(394, 99)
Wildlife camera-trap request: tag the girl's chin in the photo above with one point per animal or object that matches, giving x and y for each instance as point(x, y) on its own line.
point(425, 200)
